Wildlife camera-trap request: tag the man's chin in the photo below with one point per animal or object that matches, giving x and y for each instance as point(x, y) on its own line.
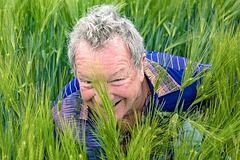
point(124, 126)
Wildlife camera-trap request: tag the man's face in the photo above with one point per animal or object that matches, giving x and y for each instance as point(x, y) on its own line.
point(123, 81)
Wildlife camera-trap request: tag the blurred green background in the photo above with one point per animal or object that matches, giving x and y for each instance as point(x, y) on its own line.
point(34, 67)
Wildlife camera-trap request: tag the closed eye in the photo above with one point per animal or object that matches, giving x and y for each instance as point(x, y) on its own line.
point(117, 80)
point(88, 82)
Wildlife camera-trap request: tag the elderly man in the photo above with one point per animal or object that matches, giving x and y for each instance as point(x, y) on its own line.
point(105, 46)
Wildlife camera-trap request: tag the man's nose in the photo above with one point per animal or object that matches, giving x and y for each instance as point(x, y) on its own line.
point(98, 97)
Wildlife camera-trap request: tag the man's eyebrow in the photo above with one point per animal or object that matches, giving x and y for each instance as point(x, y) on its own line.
point(117, 72)
point(111, 76)
point(82, 75)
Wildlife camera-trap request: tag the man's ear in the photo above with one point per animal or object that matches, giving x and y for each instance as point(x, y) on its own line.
point(142, 67)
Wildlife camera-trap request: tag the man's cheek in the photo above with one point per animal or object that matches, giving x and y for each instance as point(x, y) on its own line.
point(121, 91)
point(87, 95)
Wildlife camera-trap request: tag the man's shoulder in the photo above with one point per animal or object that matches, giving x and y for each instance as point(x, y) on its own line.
point(69, 110)
point(66, 101)
point(159, 79)
point(71, 88)
point(174, 62)
point(170, 69)
point(167, 60)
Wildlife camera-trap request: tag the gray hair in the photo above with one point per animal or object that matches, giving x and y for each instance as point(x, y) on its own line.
point(100, 25)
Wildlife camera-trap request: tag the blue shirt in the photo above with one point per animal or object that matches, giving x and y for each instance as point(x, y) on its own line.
point(70, 108)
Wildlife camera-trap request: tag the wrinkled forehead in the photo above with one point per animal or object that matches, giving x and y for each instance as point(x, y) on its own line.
point(113, 56)
point(114, 47)
point(112, 42)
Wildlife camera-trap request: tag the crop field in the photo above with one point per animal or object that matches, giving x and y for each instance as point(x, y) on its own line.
point(34, 67)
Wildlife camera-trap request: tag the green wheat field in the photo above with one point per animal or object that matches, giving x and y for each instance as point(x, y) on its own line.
point(34, 67)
